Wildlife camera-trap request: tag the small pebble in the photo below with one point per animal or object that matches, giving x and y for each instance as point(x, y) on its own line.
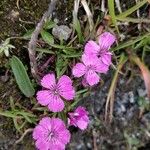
point(61, 32)
point(131, 97)
point(141, 92)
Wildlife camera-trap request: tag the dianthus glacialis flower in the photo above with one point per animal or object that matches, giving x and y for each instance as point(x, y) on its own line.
point(89, 69)
point(101, 50)
point(53, 93)
point(51, 134)
point(79, 118)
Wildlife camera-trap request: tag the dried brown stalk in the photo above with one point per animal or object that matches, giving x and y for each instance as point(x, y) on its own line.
point(111, 93)
point(34, 37)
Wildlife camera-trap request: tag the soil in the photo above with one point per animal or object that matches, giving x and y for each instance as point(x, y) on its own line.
point(128, 129)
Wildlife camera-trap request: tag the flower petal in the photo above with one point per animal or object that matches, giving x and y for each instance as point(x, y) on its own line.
point(66, 89)
point(78, 70)
point(92, 77)
point(45, 123)
point(100, 67)
point(106, 39)
point(106, 58)
point(57, 124)
point(64, 136)
point(42, 144)
point(91, 48)
point(88, 60)
point(38, 132)
point(82, 124)
point(64, 80)
point(43, 97)
point(56, 104)
point(48, 81)
point(67, 93)
point(56, 146)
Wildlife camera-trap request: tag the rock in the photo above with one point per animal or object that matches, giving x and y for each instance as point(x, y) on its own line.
point(131, 97)
point(125, 98)
point(61, 32)
point(141, 92)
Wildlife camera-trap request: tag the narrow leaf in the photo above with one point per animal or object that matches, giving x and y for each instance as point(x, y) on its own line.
point(49, 24)
point(21, 77)
point(28, 34)
point(111, 7)
point(132, 9)
point(47, 37)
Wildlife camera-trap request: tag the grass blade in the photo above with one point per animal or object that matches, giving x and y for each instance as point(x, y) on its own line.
point(132, 9)
point(111, 7)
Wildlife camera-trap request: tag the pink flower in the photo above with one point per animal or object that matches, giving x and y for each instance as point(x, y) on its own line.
point(54, 92)
point(51, 134)
point(79, 118)
point(89, 68)
point(101, 50)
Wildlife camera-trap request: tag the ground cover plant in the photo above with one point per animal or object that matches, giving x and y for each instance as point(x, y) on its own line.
point(63, 62)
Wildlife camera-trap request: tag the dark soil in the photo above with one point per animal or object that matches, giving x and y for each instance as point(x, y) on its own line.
point(127, 131)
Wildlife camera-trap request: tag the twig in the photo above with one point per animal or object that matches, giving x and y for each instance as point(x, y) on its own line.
point(118, 6)
point(34, 37)
point(138, 15)
point(94, 140)
point(23, 135)
point(89, 14)
point(111, 93)
point(103, 9)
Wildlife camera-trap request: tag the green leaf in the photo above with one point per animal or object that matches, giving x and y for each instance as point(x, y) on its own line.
point(49, 24)
point(21, 77)
point(47, 37)
point(111, 7)
point(132, 9)
point(130, 42)
point(28, 34)
point(43, 50)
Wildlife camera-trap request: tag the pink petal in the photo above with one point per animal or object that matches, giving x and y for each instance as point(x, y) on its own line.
point(56, 104)
point(78, 70)
point(57, 124)
point(91, 48)
point(106, 40)
point(66, 89)
point(67, 93)
point(45, 123)
point(100, 67)
point(82, 124)
point(42, 145)
point(43, 97)
point(57, 146)
point(64, 136)
point(48, 81)
point(92, 78)
point(38, 132)
point(106, 58)
point(89, 60)
point(64, 80)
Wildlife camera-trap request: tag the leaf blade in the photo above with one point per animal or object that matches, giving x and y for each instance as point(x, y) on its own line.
point(21, 77)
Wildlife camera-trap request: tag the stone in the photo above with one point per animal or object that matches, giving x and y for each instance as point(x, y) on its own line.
point(61, 32)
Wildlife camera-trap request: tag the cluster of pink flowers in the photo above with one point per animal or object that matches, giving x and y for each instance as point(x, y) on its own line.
point(51, 133)
point(95, 59)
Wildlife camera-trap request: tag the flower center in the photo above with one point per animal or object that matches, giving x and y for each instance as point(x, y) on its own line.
point(90, 67)
point(50, 136)
point(55, 90)
point(100, 53)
